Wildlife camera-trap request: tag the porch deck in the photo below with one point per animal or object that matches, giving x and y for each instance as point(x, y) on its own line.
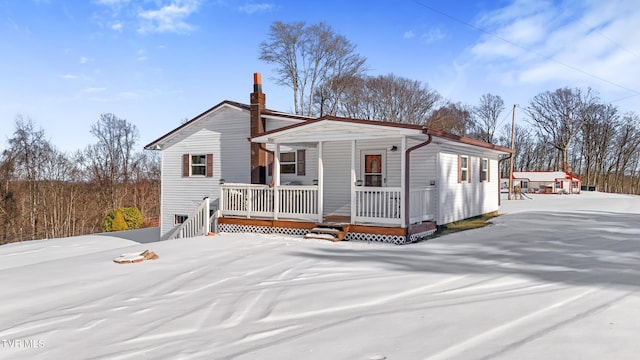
point(378, 233)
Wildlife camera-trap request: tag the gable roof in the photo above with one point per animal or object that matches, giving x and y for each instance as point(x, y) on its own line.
point(153, 145)
point(308, 129)
point(339, 128)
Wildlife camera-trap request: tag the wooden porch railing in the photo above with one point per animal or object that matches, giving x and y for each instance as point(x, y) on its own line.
point(197, 224)
point(379, 205)
point(287, 201)
point(422, 205)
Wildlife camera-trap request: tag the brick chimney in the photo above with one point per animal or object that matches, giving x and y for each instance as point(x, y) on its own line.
point(258, 157)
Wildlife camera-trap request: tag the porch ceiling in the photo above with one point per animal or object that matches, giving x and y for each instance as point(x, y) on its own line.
point(331, 130)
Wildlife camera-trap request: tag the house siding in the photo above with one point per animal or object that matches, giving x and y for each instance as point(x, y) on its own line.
point(463, 200)
point(224, 134)
point(337, 186)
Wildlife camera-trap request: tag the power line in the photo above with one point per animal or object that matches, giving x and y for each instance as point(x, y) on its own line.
point(636, 93)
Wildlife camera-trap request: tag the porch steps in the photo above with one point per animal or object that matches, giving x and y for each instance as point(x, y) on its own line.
point(328, 231)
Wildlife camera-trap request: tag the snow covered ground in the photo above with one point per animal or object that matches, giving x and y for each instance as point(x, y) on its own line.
point(556, 277)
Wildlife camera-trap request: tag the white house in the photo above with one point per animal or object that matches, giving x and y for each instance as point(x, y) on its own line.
point(547, 182)
point(251, 169)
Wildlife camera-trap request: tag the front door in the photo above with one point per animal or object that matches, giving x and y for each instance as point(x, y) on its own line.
point(373, 168)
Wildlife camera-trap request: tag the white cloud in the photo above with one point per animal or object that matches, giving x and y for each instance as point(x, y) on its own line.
point(432, 35)
point(83, 60)
point(116, 26)
point(169, 18)
point(252, 8)
point(591, 44)
point(409, 34)
point(69, 77)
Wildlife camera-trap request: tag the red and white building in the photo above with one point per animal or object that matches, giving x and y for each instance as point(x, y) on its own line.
point(546, 182)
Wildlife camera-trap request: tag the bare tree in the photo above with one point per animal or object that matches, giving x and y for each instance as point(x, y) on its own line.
point(110, 159)
point(27, 151)
point(558, 117)
point(306, 56)
point(454, 118)
point(487, 114)
point(385, 97)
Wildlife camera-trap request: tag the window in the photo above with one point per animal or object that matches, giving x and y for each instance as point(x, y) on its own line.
point(525, 184)
point(197, 165)
point(484, 170)
point(288, 163)
point(179, 219)
point(293, 162)
point(463, 168)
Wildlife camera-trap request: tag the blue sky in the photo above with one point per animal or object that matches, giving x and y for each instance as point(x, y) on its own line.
point(158, 62)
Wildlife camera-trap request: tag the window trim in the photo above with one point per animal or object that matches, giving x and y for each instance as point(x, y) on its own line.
point(178, 217)
point(484, 171)
point(464, 170)
point(188, 165)
point(294, 162)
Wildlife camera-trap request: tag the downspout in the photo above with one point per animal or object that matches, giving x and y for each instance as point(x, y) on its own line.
point(407, 172)
point(499, 193)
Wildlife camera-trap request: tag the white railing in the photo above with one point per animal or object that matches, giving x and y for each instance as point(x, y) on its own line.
point(422, 205)
point(197, 224)
point(289, 201)
point(298, 201)
point(378, 205)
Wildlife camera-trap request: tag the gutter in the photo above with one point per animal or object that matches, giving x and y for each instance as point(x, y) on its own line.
point(509, 190)
point(407, 172)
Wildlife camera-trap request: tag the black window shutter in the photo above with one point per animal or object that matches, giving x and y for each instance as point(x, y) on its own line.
point(209, 169)
point(185, 165)
point(301, 163)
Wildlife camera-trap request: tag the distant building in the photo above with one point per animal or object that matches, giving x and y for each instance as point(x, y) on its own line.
point(544, 182)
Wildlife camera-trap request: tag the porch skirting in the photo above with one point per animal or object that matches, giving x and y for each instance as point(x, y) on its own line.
point(397, 236)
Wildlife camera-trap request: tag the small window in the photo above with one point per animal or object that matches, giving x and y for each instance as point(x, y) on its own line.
point(288, 163)
point(179, 219)
point(484, 170)
point(198, 165)
point(525, 184)
point(463, 169)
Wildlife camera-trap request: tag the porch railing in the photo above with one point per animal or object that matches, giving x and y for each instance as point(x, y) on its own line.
point(197, 224)
point(378, 205)
point(287, 201)
point(422, 206)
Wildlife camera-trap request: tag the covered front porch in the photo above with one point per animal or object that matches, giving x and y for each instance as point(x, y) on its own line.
point(356, 173)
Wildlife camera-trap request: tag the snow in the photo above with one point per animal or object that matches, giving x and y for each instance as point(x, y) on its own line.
point(555, 277)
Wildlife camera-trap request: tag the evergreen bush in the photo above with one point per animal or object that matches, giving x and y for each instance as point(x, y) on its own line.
point(119, 224)
point(131, 217)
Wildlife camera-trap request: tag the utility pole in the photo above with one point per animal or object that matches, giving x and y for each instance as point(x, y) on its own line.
point(513, 132)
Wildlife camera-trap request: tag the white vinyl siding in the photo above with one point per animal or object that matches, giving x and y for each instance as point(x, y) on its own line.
point(463, 200)
point(224, 134)
point(337, 186)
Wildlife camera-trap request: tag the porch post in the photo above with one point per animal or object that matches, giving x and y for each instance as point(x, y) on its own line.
point(403, 175)
point(353, 180)
point(320, 183)
point(276, 182)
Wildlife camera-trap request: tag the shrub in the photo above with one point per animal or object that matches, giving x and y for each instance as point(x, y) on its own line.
point(132, 218)
point(118, 223)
